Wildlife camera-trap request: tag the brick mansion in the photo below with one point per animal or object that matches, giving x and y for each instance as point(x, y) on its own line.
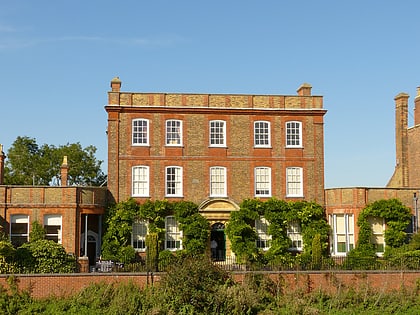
point(214, 150)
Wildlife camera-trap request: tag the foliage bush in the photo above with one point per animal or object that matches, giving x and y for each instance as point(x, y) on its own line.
point(118, 226)
point(45, 256)
point(279, 214)
point(406, 256)
point(7, 258)
point(397, 217)
point(190, 284)
point(37, 232)
point(196, 286)
point(121, 216)
point(37, 256)
point(152, 245)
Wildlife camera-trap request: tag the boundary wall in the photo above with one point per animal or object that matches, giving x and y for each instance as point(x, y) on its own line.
point(61, 285)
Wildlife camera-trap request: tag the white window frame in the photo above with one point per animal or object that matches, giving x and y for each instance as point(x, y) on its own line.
point(218, 181)
point(173, 185)
point(262, 181)
point(51, 221)
point(263, 238)
point(217, 133)
point(138, 235)
point(140, 181)
point(342, 233)
point(19, 219)
point(294, 232)
point(294, 134)
point(262, 134)
point(140, 132)
point(173, 235)
point(380, 223)
point(294, 182)
point(173, 132)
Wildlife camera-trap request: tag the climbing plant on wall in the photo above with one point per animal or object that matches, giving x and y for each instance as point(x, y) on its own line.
point(279, 213)
point(120, 218)
point(397, 217)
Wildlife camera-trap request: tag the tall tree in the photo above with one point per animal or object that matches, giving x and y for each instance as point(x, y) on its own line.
point(21, 163)
point(28, 163)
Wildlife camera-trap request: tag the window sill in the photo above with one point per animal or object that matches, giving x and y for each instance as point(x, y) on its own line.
point(293, 147)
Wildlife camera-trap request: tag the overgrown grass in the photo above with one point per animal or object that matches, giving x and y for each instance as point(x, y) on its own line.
point(196, 286)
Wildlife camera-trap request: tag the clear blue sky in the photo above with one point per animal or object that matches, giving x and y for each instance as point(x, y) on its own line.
point(57, 59)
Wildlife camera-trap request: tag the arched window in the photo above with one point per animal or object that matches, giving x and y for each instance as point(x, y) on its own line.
point(293, 134)
point(138, 236)
point(217, 133)
point(262, 181)
point(140, 181)
point(173, 236)
point(218, 181)
point(140, 132)
point(174, 132)
point(173, 181)
point(294, 184)
point(261, 134)
point(263, 238)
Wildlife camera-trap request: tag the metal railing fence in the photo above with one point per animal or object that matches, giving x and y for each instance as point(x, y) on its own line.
point(231, 264)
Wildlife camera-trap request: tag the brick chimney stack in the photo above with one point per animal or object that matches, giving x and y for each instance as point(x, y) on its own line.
point(304, 89)
point(64, 172)
point(401, 137)
point(417, 108)
point(2, 158)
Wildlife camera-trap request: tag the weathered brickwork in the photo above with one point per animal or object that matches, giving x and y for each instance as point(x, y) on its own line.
point(62, 285)
point(414, 155)
point(195, 156)
point(407, 141)
point(71, 203)
point(353, 200)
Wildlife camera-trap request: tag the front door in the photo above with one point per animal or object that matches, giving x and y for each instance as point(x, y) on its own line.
point(218, 242)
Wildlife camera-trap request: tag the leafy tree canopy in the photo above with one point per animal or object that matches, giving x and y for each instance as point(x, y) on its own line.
point(28, 163)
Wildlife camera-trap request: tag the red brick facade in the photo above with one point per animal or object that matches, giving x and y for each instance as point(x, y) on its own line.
point(214, 162)
point(407, 140)
point(351, 201)
point(77, 207)
point(195, 156)
point(215, 150)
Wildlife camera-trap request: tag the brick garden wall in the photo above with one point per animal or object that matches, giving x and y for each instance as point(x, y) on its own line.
point(42, 286)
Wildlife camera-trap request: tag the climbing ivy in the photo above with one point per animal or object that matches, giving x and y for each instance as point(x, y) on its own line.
point(397, 217)
point(121, 216)
point(118, 226)
point(279, 214)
